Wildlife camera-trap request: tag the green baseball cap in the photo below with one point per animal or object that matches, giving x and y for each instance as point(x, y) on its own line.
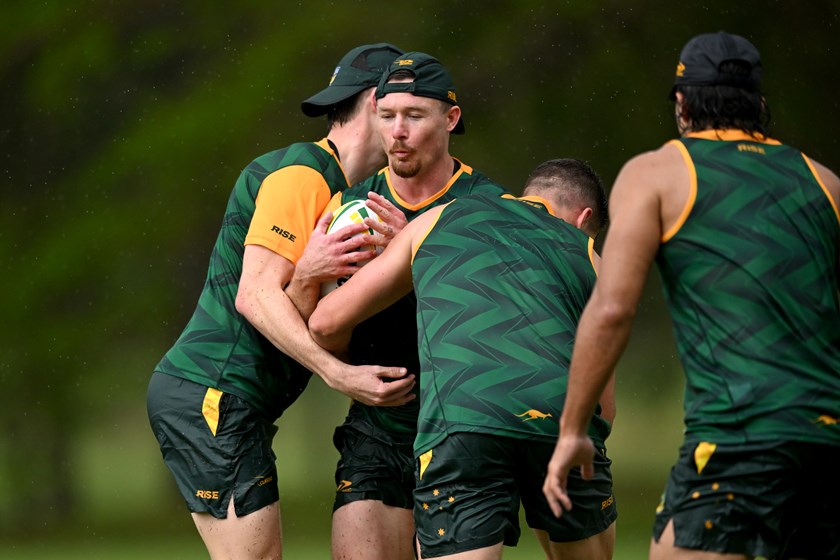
point(431, 79)
point(359, 69)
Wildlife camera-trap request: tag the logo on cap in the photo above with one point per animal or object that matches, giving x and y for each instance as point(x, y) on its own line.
point(407, 62)
point(680, 69)
point(451, 95)
point(335, 73)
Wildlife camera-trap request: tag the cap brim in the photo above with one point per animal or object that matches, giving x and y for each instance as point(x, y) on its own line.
point(320, 103)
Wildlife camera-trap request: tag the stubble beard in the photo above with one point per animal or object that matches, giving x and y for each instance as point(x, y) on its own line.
point(404, 167)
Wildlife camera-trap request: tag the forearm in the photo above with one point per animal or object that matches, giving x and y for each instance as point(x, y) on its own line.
point(277, 318)
point(607, 401)
point(303, 295)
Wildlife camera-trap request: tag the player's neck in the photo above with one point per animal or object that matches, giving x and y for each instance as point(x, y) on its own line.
point(359, 150)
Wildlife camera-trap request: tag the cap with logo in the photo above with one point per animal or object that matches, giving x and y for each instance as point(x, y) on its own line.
point(359, 69)
point(431, 79)
point(702, 56)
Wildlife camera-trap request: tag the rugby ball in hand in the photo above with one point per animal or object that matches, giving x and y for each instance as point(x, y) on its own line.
point(353, 212)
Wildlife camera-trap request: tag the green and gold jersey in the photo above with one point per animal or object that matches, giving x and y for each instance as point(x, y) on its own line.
point(750, 274)
point(501, 284)
point(389, 338)
point(219, 348)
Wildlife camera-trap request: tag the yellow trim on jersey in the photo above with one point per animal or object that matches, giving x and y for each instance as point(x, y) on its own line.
point(822, 186)
point(462, 169)
point(692, 192)
point(416, 245)
point(533, 199)
point(210, 408)
point(732, 135)
point(590, 250)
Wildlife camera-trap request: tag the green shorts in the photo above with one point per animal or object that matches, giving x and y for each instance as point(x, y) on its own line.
point(468, 495)
point(773, 499)
point(210, 467)
point(374, 465)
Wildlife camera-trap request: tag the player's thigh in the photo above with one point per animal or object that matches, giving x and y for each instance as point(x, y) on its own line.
point(596, 547)
point(492, 552)
point(466, 498)
point(588, 524)
point(216, 445)
point(371, 530)
point(664, 549)
point(250, 537)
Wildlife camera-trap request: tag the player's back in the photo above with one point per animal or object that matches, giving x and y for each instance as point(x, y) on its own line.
point(390, 337)
point(751, 278)
point(501, 284)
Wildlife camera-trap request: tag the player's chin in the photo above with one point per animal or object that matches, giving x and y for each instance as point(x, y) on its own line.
point(405, 168)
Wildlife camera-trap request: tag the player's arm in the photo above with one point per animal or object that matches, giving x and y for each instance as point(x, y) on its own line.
point(262, 301)
point(607, 401)
point(832, 184)
point(374, 287)
point(326, 256)
point(604, 328)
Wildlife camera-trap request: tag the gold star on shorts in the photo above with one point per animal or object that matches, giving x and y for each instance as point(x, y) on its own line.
point(441, 532)
point(425, 505)
point(451, 499)
point(436, 492)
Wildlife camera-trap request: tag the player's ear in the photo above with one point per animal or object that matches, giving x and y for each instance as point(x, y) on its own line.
point(452, 116)
point(582, 217)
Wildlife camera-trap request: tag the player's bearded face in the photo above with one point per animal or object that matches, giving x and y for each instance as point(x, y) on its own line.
point(413, 132)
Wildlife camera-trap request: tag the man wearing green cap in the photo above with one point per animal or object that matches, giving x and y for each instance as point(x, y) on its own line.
point(417, 108)
point(246, 354)
point(745, 232)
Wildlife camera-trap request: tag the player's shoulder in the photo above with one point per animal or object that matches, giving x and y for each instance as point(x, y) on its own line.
point(663, 163)
point(308, 154)
point(661, 174)
point(828, 177)
point(667, 153)
point(474, 181)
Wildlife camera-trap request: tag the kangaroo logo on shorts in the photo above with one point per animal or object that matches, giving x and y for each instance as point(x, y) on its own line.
point(826, 420)
point(534, 415)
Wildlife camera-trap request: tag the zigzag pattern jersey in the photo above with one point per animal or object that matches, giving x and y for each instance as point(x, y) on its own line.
point(501, 285)
point(389, 338)
point(219, 348)
point(751, 279)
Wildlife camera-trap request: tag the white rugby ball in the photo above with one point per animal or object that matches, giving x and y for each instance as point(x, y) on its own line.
point(353, 212)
